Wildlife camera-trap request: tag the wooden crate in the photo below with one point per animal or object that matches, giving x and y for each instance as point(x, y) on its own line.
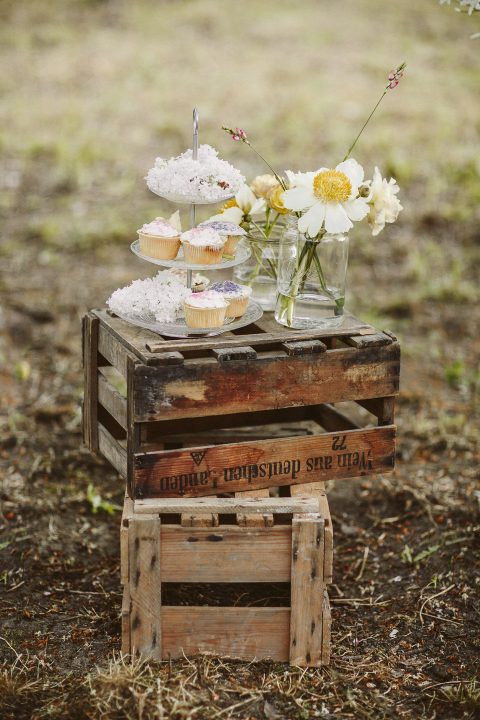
point(242, 412)
point(295, 548)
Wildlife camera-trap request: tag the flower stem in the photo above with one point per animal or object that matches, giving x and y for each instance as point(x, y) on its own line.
point(363, 127)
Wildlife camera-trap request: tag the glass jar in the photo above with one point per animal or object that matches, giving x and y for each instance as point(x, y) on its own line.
point(260, 270)
point(311, 279)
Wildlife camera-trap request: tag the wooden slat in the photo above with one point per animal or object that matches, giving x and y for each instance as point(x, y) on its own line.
point(126, 647)
point(227, 388)
point(307, 591)
point(127, 515)
point(135, 339)
point(216, 469)
point(365, 341)
point(225, 554)
point(306, 347)
point(112, 450)
point(254, 520)
point(382, 408)
point(236, 353)
point(112, 401)
point(226, 506)
point(144, 586)
point(332, 419)
point(245, 633)
point(317, 490)
point(90, 397)
point(326, 628)
point(271, 332)
point(112, 349)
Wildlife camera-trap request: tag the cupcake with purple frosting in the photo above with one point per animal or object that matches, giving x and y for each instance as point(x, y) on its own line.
point(230, 231)
point(237, 296)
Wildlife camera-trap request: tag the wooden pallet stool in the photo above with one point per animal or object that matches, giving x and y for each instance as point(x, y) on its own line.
point(156, 549)
point(252, 413)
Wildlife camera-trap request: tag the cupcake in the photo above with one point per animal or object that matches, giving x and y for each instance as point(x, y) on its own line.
point(229, 230)
point(205, 309)
point(199, 282)
point(237, 296)
point(202, 246)
point(159, 239)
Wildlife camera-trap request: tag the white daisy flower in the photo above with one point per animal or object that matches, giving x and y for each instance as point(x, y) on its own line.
point(329, 197)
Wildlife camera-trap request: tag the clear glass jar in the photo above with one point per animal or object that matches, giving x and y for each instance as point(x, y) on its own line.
point(260, 270)
point(311, 279)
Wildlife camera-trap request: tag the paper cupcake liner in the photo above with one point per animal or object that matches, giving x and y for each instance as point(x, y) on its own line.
point(237, 306)
point(202, 255)
point(204, 317)
point(159, 247)
point(231, 244)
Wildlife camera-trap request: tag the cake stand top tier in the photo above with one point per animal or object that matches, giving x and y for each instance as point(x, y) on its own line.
point(196, 177)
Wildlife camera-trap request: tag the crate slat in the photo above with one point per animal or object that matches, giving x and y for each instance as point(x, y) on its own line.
point(144, 586)
point(225, 554)
point(307, 591)
point(226, 388)
point(227, 506)
point(241, 466)
point(245, 633)
point(90, 394)
point(317, 490)
point(110, 398)
point(254, 519)
point(112, 450)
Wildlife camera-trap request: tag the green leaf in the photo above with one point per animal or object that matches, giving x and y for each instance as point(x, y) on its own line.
point(425, 553)
point(97, 503)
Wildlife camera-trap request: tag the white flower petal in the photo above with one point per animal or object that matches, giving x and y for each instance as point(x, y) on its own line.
point(233, 214)
point(356, 209)
point(245, 198)
point(355, 173)
point(312, 221)
point(336, 219)
point(300, 179)
point(298, 198)
point(257, 207)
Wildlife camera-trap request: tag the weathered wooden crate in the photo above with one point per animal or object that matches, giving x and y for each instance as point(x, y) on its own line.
point(245, 411)
point(295, 547)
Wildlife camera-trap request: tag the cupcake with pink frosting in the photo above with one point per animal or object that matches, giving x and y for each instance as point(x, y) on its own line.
point(205, 309)
point(202, 246)
point(160, 238)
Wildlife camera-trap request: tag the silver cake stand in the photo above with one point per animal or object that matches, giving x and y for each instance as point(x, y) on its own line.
point(179, 328)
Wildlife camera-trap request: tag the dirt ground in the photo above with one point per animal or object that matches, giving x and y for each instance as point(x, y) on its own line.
point(406, 592)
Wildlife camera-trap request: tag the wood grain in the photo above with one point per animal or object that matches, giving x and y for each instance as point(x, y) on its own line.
point(246, 633)
point(216, 469)
point(225, 554)
point(317, 490)
point(203, 388)
point(111, 449)
point(255, 519)
point(226, 506)
point(90, 392)
point(307, 591)
point(144, 585)
point(112, 401)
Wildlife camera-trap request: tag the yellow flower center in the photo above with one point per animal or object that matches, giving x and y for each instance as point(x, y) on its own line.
point(229, 204)
point(332, 186)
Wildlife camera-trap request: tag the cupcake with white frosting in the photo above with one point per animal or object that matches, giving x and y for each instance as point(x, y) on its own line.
point(236, 295)
point(205, 309)
point(202, 246)
point(160, 238)
point(232, 233)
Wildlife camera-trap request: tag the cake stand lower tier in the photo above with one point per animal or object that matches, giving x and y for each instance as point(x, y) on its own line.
point(179, 328)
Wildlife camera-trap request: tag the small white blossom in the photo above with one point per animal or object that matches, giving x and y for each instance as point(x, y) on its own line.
point(161, 296)
point(383, 202)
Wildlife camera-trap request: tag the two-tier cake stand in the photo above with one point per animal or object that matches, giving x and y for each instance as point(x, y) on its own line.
point(179, 328)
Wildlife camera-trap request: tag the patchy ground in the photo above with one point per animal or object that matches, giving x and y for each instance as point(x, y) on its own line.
point(406, 597)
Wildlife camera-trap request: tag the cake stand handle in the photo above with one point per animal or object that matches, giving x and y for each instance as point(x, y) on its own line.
point(192, 206)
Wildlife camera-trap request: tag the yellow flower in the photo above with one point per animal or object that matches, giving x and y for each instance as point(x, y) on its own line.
point(263, 184)
point(274, 199)
point(229, 204)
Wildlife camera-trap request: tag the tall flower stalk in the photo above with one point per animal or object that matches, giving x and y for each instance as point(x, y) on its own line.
point(328, 202)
